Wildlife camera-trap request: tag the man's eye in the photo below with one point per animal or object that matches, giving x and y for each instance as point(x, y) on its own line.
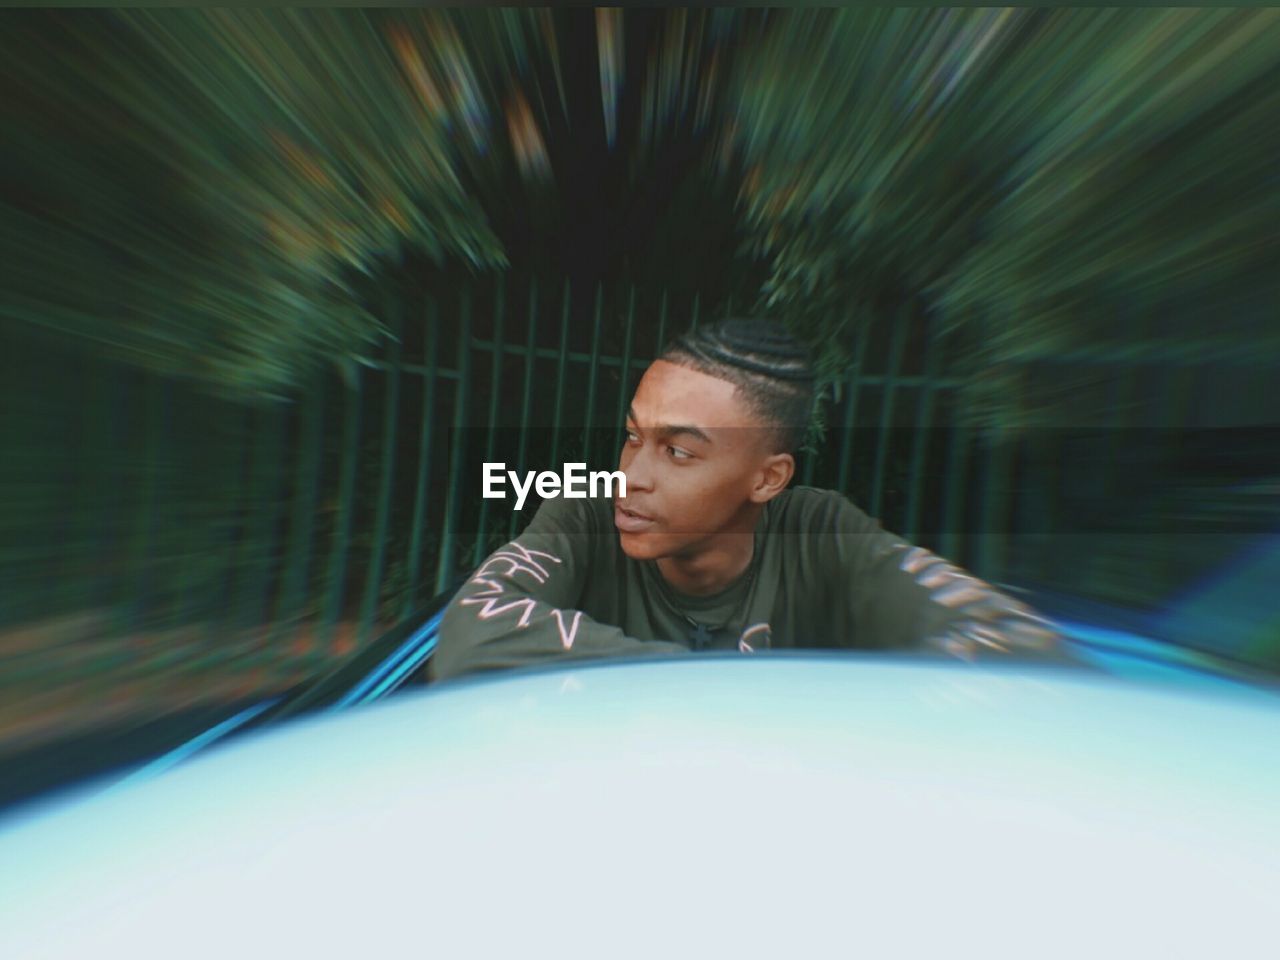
point(679, 454)
point(633, 437)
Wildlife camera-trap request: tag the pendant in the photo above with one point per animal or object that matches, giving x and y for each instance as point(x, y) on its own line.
point(701, 636)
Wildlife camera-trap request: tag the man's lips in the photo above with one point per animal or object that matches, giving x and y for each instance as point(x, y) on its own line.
point(629, 521)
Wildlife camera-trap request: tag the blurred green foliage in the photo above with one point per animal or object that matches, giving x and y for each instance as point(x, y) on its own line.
point(1040, 180)
point(200, 192)
point(211, 194)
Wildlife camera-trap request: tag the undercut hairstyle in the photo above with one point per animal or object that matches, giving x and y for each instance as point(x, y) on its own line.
point(770, 368)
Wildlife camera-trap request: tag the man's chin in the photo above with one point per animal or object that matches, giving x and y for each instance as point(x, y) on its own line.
point(641, 546)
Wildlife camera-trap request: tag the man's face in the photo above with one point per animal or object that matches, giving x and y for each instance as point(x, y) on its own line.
point(693, 461)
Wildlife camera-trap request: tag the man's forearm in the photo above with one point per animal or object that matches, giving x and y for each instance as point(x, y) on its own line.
point(502, 618)
point(981, 620)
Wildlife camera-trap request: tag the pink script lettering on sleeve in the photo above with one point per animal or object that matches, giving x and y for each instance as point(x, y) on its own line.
point(517, 559)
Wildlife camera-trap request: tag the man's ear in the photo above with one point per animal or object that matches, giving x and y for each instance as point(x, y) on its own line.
point(773, 476)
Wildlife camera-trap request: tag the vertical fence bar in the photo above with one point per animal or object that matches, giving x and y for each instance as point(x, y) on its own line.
point(593, 376)
point(953, 513)
point(1125, 432)
point(160, 477)
point(306, 484)
point(386, 476)
point(810, 456)
point(854, 383)
point(997, 453)
point(920, 442)
point(623, 395)
point(346, 495)
point(886, 414)
point(143, 538)
point(246, 564)
point(1172, 405)
point(458, 446)
point(119, 395)
point(113, 506)
point(97, 458)
point(1035, 506)
point(526, 398)
point(420, 499)
point(11, 608)
point(239, 558)
point(157, 495)
point(956, 536)
point(236, 485)
point(495, 395)
point(561, 362)
point(662, 324)
point(97, 450)
point(1124, 378)
point(1179, 392)
point(193, 537)
point(810, 464)
point(260, 532)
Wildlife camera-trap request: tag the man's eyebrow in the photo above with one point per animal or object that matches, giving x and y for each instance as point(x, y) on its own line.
point(673, 430)
point(678, 429)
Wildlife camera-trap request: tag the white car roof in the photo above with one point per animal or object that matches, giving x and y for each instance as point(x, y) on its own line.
point(708, 807)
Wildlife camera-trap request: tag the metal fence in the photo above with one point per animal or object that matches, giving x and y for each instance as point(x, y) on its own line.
point(359, 501)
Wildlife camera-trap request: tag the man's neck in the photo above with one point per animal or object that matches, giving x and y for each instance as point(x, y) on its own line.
point(714, 566)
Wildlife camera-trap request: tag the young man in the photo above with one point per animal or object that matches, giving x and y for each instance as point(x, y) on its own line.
point(709, 549)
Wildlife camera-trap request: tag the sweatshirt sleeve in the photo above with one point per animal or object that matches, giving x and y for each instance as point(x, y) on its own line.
point(902, 596)
point(519, 607)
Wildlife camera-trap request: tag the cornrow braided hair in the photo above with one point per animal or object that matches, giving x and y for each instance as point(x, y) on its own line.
point(769, 366)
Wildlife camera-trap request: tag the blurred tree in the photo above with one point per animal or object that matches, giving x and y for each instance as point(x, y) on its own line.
point(1043, 180)
point(198, 191)
point(212, 194)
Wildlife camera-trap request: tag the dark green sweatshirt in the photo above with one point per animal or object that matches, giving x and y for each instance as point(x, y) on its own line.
point(823, 575)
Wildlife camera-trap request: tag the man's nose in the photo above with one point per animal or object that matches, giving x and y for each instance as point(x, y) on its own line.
point(636, 467)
